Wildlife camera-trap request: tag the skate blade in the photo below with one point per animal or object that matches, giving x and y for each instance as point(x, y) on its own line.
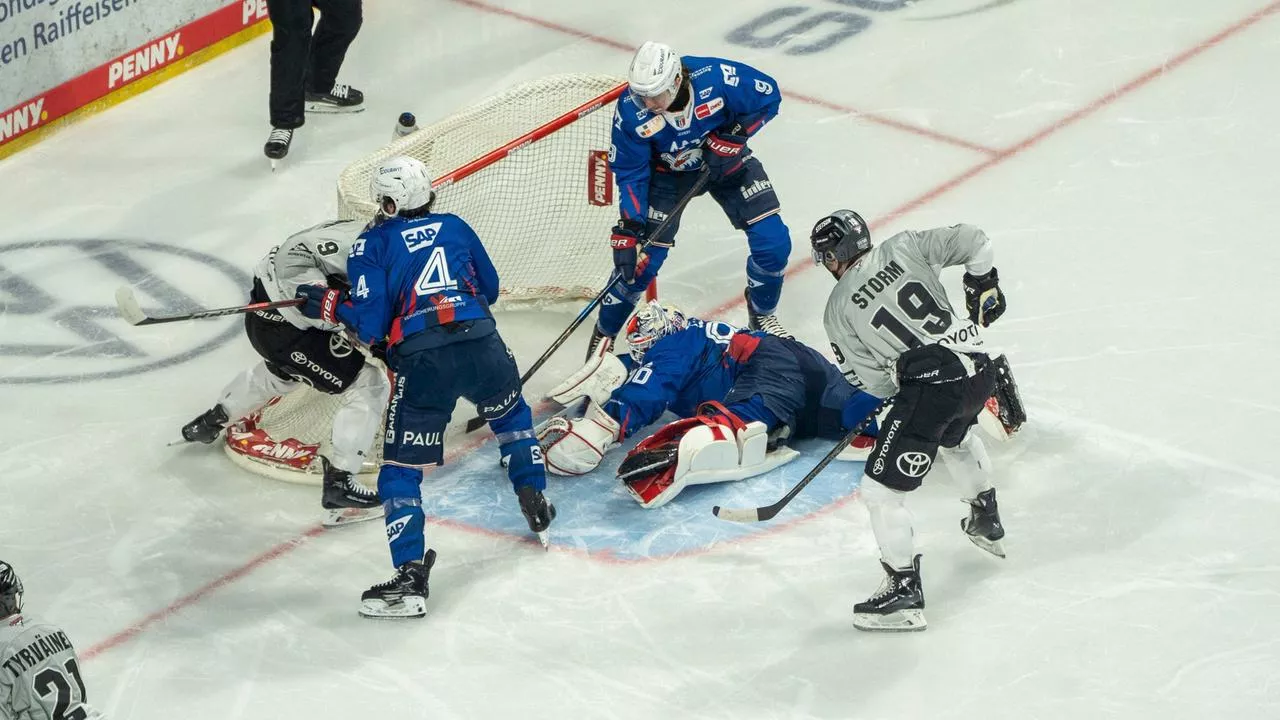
point(409, 607)
point(347, 516)
point(995, 547)
point(900, 621)
point(544, 537)
point(327, 109)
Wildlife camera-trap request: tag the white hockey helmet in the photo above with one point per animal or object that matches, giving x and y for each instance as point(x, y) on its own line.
point(655, 76)
point(650, 323)
point(400, 184)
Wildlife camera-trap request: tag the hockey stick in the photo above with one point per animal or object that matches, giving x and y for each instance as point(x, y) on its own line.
point(767, 512)
point(478, 421)
point(133, 314)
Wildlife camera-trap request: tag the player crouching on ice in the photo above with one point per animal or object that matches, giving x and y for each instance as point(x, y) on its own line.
point(423, 281)
point(297, 350)
point(743, 394)
point(681, 116)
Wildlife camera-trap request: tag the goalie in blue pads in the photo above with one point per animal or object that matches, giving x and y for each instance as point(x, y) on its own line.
point(742, 395)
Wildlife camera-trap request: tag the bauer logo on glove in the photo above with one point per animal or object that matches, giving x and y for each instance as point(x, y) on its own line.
point(983, 298)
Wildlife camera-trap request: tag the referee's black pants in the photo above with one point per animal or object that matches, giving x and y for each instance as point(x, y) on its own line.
point(301, 61)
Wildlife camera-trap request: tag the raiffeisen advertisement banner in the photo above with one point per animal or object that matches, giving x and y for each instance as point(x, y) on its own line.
point(59, 56)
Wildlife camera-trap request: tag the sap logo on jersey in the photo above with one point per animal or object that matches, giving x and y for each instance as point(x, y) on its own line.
point(420, 237)
point(431, 439)
point(396, 527)
point(707, 109)
point(705, 92)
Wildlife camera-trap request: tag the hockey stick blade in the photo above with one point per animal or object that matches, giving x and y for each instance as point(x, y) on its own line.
point(128, 306)
point(761, 514)
point(131, 311)
point(704, 175)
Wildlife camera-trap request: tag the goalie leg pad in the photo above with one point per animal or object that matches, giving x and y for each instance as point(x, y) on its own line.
point(707, 449)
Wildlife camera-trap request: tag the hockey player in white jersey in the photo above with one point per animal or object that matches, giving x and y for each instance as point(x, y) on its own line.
point(296, 349)
point(895, 334)
point(39, 671)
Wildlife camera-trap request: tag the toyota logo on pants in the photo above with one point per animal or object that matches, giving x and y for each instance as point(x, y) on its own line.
point(914, 464)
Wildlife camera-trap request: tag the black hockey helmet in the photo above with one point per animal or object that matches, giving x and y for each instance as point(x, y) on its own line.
point(842, 236)
point(10, 591)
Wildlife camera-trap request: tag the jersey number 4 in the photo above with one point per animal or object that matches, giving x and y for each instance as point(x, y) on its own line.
point(52, 683)
point(435, 275)
point(919, 305)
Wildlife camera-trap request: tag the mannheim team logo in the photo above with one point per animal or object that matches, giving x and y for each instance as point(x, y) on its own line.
point(60, 320)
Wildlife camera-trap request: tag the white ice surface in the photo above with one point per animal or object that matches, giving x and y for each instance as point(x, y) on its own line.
point(1136, 244)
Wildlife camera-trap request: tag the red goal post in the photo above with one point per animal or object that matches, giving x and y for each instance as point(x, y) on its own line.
point(528, 169)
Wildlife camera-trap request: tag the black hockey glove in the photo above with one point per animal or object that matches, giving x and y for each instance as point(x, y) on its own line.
point(724, 151)
point(627, 234)
point(321, 302)
point(379, 350)
point(982, 297)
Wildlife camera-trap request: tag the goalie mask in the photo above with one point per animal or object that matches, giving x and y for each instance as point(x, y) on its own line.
point(650, 323)
point(10, 591)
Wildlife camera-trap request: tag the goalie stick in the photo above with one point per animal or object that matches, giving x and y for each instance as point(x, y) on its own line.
point(127, 303)
point(478, 421)
point(767, 512)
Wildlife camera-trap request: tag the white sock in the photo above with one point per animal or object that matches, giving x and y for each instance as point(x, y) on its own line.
point(891, 523)
point(251, 389)
point(358, 417)
point(969, 465)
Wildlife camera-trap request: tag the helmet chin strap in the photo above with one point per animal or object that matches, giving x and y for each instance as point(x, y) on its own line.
point(680, 112)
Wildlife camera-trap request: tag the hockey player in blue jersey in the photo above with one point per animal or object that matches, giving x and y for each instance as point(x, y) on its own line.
point(423, 282)
point(762, 390)
point(678, 115)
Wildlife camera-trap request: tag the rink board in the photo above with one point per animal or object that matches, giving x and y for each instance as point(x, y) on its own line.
point(596, 514)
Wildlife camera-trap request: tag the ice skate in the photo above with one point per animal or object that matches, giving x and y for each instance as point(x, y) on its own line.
point(345, 500)
point(207, 427)
point(983, 524)
point(898, 606)
point(403, 596)
point(340, 99)
point(763, 322)
point(537, 511)
point(277, 145)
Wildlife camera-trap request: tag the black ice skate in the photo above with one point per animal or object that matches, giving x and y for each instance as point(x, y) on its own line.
point(597, 337)
point(345, 500)
point(277, 144)
point(983, 524)
point(768, 323)
point(341, 99)
point(898, 606)
point(403, 596)
point(537, 511)
point(207, 427)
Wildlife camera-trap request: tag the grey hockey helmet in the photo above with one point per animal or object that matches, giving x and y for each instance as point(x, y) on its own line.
point(842, 236)
point(10, 591)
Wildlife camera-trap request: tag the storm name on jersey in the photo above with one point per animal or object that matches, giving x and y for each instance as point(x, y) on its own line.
point(878, 283)
point(36, 652)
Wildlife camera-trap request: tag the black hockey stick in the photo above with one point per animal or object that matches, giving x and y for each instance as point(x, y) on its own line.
point(133, 314)
point(478, 421)
point(767, 512)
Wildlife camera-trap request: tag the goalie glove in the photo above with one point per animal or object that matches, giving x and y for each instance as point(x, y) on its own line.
point(575, 446)
point(982, 298)
point(597, 379)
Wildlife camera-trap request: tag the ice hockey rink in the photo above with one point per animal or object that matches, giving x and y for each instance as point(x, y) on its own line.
point(1122, 156)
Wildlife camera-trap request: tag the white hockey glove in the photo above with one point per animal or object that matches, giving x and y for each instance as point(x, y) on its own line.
point(576, 446)
point(708, 448)
point(597, 379)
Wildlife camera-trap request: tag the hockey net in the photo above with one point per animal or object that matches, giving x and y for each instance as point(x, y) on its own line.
point(528, 170)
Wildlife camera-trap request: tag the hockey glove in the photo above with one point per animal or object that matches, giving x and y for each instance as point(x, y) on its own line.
point(627, 234)
point(724, 151)
point(982, 297)
point(321, 302)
